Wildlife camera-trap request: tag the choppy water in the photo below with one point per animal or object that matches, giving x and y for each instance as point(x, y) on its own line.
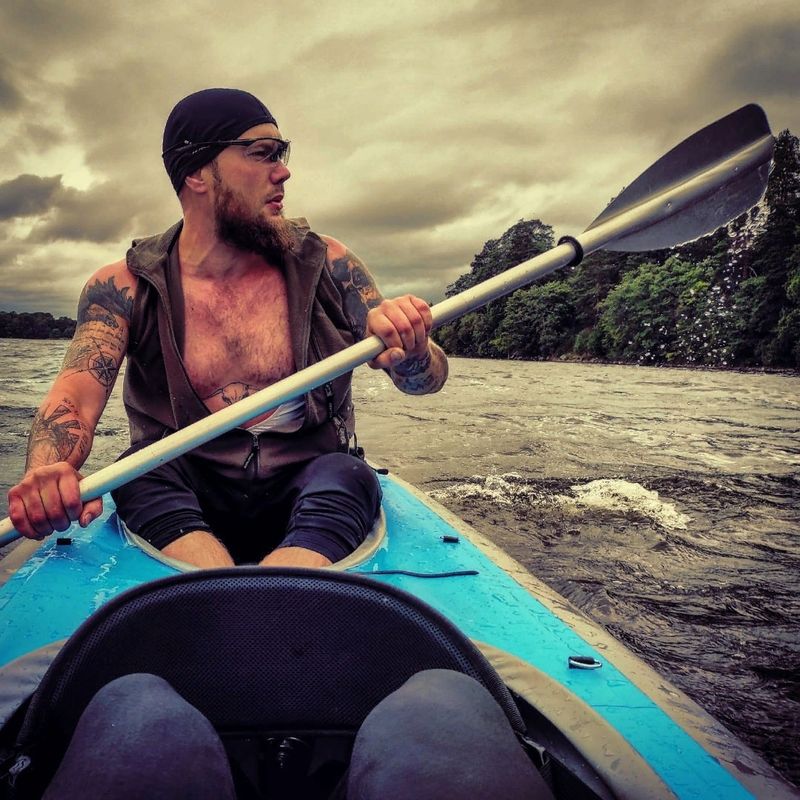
point(664, 503)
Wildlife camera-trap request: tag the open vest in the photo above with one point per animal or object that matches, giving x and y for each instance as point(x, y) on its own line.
point(160, 399)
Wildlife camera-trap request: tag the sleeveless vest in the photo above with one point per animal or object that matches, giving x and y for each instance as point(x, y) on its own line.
point(160, 399)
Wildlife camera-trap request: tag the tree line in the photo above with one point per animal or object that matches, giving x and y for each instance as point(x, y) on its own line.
point(731, 299)
point(35, 325)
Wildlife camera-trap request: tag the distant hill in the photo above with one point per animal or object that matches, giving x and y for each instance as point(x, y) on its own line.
point(35, 325)
point(731, 299)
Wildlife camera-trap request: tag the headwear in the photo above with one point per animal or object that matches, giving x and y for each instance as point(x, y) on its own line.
point(205, 116)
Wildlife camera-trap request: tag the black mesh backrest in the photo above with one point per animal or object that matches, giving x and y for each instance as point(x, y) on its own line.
point(260, 648)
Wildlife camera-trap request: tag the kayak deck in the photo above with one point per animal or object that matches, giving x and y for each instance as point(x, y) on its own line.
point(486, 594)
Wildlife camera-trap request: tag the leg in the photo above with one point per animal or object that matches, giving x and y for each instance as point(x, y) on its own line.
point(441, 736)
point(163, 506)
point(295, 557)
point(334, 502)
point(200, 548)
point(138, 738)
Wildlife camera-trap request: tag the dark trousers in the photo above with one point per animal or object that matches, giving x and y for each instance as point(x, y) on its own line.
point(327, 505)
point(441, 736)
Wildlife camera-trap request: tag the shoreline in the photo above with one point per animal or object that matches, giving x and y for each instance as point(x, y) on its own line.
point(750, 370)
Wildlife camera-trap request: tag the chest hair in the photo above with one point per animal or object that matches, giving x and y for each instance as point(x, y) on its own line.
point(237, 333)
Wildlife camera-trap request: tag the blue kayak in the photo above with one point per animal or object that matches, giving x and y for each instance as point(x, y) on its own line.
point(641, 735)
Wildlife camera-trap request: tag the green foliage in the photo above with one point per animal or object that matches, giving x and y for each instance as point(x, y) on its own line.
point(670, 313)
point(520, 242)
point(35, 325)
point(537, 323)
point(473, 335)
point(728, 299)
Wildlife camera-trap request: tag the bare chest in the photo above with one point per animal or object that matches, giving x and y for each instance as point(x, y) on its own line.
point(237, 337)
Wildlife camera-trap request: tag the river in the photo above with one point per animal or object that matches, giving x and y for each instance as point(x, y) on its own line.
point(662, 502)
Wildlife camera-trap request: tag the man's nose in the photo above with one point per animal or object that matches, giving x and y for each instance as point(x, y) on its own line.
point(280, 173)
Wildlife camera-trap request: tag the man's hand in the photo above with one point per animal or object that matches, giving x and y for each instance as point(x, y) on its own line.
point(415, 364)
point(403, 324)
point(47, 499)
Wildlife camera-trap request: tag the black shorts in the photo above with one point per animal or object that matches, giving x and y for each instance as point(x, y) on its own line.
point(327, 505)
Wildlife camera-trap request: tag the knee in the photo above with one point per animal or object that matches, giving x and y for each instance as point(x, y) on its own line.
point(138, 694)
point(343, 472)
point(141, 707)
point(133, 688)
point(446, 691)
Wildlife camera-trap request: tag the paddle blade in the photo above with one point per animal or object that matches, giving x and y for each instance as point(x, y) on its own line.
point(745, 131)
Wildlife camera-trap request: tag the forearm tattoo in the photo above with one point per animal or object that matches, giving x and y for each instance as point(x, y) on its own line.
point(414, 366)
point(99, 343)
point(413, 376)
point(360, 292)
point(421, 375)
point(57, 434)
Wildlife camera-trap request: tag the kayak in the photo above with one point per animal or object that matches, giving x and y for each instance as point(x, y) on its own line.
point(620, 725)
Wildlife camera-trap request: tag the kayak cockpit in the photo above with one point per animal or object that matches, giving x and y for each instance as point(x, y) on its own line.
point(364, 552)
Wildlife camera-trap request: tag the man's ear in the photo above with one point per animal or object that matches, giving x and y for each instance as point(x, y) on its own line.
point(196, 181)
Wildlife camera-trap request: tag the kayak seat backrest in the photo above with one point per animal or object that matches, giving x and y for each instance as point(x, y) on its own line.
point(259, 649)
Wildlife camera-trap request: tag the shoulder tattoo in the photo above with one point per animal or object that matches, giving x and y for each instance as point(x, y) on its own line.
point(102, 301)
point(359, 290)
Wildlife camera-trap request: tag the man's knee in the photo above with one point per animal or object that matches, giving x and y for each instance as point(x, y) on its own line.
point(346, 478)
point(145, 697)
point(177, 751)
point(341, 470)
point(337, 504)
point(441, 735)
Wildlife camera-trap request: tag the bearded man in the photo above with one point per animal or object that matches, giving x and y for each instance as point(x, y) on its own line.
point(231, 299)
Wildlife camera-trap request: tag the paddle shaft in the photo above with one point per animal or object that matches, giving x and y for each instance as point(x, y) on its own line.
point(655, 209)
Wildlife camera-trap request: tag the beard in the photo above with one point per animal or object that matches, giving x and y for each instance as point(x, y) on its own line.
point(269, 237)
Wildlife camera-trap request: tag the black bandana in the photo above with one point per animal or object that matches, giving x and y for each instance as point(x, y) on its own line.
point(206, 116)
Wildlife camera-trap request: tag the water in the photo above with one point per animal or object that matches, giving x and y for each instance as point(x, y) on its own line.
point(662, 502)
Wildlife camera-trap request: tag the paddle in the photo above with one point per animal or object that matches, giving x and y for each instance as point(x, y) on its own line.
point(707, 180)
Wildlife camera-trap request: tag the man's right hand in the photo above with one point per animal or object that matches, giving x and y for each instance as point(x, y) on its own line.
point(48, 499)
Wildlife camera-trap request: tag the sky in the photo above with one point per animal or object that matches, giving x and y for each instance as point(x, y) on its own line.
point(419, 129)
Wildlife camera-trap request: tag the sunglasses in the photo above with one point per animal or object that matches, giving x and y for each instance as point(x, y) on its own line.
point(261, 149)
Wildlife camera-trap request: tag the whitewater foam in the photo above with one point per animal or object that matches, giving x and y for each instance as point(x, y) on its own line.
point(619, 495)
point(605, 494)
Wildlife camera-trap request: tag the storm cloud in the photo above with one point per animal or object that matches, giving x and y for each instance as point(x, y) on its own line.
point(27, 195)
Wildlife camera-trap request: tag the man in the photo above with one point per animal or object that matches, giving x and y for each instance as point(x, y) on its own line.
point(230, 300)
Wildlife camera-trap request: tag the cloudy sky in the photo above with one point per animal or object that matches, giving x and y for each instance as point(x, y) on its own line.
point(420, 128)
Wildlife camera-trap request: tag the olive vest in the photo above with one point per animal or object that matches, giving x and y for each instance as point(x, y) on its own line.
point(160, 399)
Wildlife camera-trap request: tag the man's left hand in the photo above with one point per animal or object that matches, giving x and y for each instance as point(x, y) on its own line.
point(403, 324)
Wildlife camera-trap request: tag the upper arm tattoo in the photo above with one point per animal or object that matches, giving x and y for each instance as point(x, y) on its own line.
point(99, 344)
point(360, 292)
point(100, 302)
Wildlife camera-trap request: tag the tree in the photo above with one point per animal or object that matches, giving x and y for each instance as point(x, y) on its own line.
point(473, 334)
point(538, 323)
point(761, 300)
point(36, 325)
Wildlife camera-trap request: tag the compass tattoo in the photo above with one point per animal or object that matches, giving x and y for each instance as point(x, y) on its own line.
point(91, 355)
